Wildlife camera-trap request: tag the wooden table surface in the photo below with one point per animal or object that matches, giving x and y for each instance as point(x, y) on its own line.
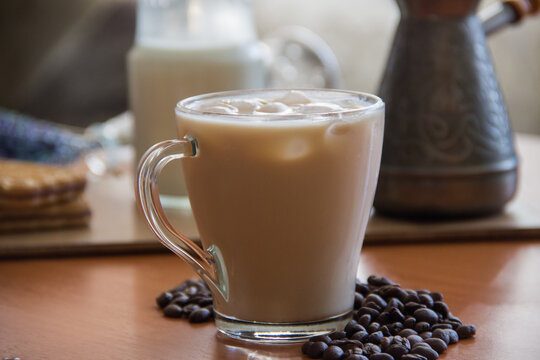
point(103, 307)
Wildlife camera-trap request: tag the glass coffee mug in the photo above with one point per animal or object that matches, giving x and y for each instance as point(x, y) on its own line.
point(281, 185)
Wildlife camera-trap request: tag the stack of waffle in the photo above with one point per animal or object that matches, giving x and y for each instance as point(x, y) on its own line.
point(37, 196)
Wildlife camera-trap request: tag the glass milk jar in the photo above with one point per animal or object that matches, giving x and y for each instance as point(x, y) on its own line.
point(184, 48)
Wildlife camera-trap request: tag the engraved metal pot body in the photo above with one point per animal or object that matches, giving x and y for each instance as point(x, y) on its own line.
point(448, 146)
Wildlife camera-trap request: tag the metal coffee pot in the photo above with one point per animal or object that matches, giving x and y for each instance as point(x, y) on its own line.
point(448, 145)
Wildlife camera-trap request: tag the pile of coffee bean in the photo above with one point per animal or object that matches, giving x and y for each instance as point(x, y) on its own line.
point(389, 322)
point(191, 300)
point(392, 323)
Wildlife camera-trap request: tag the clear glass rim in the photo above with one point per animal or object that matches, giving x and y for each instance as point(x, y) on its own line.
point(182, 107)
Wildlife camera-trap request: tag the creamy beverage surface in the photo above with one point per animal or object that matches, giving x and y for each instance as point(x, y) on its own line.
point(293, 102)
point(283, 185)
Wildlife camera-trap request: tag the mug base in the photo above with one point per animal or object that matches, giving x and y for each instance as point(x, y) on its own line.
point(255, 331)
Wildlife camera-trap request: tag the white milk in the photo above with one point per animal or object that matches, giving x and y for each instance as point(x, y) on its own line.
point(185, 48)
point(160, 77)
point(285, 199)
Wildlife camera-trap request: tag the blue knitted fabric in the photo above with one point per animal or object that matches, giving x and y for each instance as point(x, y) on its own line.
point(25, 138)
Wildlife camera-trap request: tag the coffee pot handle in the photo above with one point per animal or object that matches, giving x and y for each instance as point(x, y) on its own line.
point(207, 264)
point(500, 14)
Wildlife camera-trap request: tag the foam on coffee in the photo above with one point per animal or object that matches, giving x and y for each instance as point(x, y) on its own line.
point(292, 102)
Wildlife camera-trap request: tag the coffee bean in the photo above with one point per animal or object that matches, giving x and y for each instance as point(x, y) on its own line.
point(348, 344)
point(164, 299)
point(441, 308)
point(374, 326)
point(384, 318)
point(211, 309)
point(395, 328)
point(402, 341)
point(189, 308)
point(201, 300)
point(376, 299)
point(436, 296)
point(386, 342)
point(412, 296)
point(441, 326)
point(437, 344)
point(427, 352)
point(409, 322)
point(385, 330)
point(407, 332)
point(354, 351)
point(364, 320)
point(200, 315)
point(452, 323)
point(394, 303)
point(397, 350)
point(426, 315)
point(338, 342)
point(396, 315)
point(372, 305)
point(452, 336)
point(392, 292)
point(358, 298)
point(191, 290)
point(316, 349)
point(426, 334)
point(466, 331)
point(371, 349)
point(179, 288)
point(381, 356)
point(413, 357)
point(324, 338)
point(375, 338)
point(361, 287)
point(411, 307)
point(305, 347)
point(442, 334)
point(173, 311)
point(333, 353)
point(422, 343)
point(337, 335)
point(365, 310)
point(360, 335)
point(353, 327)
point(414, 339)
point(181, 299)
point(426, 300)
point(422, 326)
point(376, 280)
point(454, 319)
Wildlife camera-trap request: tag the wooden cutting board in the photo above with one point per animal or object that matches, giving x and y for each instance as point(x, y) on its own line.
point(117, 227)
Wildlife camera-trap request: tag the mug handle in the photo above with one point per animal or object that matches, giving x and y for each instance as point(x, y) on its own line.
point(207, 264)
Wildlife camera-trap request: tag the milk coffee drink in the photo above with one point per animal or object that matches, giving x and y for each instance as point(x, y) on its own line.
point(283, 186)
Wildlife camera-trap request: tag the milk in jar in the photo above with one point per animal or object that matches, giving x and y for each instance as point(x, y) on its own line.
point(185, 48)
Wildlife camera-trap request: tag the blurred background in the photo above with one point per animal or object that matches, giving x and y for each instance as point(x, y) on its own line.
point(64, 60)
